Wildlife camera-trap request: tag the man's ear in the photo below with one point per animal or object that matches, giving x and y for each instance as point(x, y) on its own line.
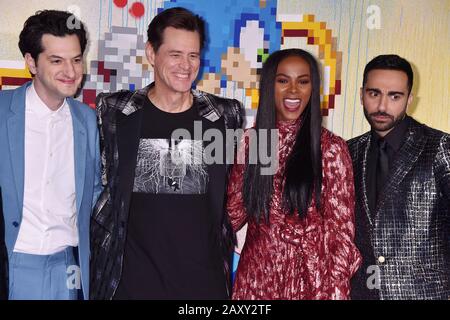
point(31, 63)
point(150, 54)
point(410, 100)
point(361, 95)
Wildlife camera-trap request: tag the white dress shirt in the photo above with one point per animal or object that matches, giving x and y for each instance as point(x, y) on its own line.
point(49, 222)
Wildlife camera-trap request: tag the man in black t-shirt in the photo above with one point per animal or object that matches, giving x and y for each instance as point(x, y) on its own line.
point(159, 230)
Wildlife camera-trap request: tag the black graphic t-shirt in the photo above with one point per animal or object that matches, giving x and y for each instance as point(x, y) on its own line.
point(170, 251)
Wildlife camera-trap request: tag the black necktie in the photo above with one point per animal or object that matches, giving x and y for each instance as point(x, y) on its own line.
point(382, 166)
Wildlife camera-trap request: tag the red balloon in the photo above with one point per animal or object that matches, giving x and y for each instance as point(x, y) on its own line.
point(120, 3)
point(137, 10)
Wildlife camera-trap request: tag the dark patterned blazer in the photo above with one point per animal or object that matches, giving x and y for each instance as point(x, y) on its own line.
point(407, 242)
point(119, 116)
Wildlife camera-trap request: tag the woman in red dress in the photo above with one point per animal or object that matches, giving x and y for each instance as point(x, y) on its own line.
point(299, 242)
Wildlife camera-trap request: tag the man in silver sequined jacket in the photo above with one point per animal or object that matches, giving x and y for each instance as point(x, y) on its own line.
point(402, 183)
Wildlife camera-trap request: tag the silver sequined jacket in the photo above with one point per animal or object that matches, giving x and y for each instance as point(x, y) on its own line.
point(406, 246)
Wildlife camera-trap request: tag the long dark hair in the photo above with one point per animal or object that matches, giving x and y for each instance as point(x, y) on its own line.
point(303, 171)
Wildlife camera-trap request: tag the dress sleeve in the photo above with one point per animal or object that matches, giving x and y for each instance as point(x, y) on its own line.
point(235, 202)
point(338, 208)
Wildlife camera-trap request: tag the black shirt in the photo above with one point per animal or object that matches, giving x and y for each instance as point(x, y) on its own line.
point(170, 251)
point(394, 140)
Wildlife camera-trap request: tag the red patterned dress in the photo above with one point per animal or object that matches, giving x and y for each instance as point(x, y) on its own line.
point(293, 258)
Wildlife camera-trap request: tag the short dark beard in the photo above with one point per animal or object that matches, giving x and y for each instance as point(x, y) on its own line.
point(387, 126)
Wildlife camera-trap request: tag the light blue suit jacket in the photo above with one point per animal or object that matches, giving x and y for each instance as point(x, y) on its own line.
point(12, 166)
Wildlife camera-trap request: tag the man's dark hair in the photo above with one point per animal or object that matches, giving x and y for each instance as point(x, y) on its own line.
point(390, 62)
point(178, 18)
point(54, 22)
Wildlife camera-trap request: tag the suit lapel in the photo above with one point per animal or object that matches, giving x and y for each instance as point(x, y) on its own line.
point(16, 139)
point(217, 174)
point(405, 160)
point(205, 106)
point(212, 118)
point(80, 143)
point(128, 136)
point(363, 179)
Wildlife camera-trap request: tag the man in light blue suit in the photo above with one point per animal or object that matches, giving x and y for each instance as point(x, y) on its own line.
point(49, 164)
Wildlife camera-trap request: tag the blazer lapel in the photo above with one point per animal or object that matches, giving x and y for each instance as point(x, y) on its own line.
point(205, 106)
point(363, 179)
point(16, 138)
point(79, 142)
point(217, 174)
point(128, 136)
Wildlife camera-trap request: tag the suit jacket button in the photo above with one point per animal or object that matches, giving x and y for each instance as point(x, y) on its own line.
point(15, 224)
point(381, 259)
